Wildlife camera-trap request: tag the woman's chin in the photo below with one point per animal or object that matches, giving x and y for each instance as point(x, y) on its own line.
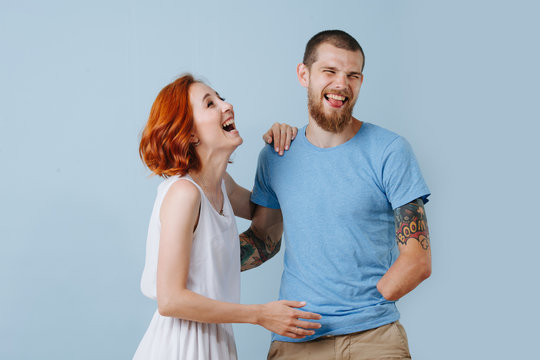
point(240, 141)
point(237, 141)
point(234, 145)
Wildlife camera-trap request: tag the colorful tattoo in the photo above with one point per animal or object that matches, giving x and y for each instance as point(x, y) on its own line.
point(411, 223)
point(254, 251)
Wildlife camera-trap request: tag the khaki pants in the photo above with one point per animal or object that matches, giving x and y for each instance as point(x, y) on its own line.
point(386, 342)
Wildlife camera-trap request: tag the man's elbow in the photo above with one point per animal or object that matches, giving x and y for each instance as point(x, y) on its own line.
point(424, 270)
point(387, 293)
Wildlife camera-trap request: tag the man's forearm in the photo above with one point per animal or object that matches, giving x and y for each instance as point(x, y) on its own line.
point(402, 277)
point(254, 250)
point(414, 262)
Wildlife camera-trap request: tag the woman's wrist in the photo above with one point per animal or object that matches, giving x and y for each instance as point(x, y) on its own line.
point(254, 314)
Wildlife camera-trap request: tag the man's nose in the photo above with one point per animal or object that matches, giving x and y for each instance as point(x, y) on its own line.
point(341, 81)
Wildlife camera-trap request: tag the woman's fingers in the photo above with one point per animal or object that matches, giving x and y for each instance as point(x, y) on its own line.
point(292, 335)
point(298, 333)
point(306, 315)
point(267, 137)
point(288, 138)
point(299, 314)
point(276, 131)
point(284, 318)
point(294, 132)
point(307, 324)
point(281, 135)
point(294, 304)
point(302, 332)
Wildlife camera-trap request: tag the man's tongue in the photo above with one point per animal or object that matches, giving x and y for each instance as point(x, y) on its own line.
point(334, 102)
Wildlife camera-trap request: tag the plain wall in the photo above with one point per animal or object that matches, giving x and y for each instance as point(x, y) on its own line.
point(458, 79)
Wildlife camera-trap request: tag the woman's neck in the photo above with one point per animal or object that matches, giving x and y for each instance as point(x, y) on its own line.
point(210, 175)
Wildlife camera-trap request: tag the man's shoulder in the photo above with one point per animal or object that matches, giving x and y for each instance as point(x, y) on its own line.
point(267, 152)
point(269, 159)
point(380, 135)
point(269, 155)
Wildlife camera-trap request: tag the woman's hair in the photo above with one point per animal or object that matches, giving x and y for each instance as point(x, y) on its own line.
point(165, 146)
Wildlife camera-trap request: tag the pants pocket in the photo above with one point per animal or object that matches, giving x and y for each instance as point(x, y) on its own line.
point(402, 336)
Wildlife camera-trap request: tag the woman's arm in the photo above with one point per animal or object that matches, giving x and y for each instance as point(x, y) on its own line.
point(179, 216)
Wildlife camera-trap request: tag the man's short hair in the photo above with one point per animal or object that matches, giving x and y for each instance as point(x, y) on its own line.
point(337, 38)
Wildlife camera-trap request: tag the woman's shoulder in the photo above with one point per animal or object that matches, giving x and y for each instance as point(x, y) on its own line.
point(181, 199)
point(179, 190)
point(184, 189)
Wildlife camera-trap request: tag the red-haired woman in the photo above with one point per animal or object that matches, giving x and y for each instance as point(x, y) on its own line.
point(192, 262)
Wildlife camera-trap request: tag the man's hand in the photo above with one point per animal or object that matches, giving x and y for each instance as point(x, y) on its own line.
point(281, 135)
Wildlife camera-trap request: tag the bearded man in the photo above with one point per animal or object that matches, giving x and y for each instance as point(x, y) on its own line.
point(351, 198)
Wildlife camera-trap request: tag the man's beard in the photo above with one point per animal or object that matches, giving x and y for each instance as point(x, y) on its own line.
point(334, 122)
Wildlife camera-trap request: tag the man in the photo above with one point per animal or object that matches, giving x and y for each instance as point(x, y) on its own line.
point(351, 197)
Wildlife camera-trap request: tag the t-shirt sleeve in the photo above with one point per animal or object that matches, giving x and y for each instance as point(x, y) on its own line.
point(263, 194)
point(401, 176)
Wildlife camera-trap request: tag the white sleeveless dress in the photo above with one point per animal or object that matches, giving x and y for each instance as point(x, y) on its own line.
point(214, 272)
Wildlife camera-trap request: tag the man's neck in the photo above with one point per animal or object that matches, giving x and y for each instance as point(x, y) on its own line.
point(326, 139)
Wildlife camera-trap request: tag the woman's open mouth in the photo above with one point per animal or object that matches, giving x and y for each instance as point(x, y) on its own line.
point(228, 125)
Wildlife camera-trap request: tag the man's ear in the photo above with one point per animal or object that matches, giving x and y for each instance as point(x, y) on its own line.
point(303, 74)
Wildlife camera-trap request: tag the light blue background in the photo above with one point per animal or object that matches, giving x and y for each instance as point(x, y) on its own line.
point(458, 79)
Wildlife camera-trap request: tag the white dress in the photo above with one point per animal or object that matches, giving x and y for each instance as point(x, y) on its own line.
point(214, 272)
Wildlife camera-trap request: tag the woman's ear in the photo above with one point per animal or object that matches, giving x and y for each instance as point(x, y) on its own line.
point(194, 140)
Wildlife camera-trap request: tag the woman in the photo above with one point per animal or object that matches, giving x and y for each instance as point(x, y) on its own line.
point(193, 254)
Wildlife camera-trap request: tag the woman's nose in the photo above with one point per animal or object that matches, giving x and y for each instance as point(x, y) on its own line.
point(227, 106)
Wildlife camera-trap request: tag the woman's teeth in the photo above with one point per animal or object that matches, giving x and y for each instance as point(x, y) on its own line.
point(228, 125)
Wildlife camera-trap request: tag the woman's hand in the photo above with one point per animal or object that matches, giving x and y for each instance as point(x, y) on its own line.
point(281, 135)
point(282, 318)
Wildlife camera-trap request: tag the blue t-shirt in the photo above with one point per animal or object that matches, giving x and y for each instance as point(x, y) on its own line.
point(338, 223)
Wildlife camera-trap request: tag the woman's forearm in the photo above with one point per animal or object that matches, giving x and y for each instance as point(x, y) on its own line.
point(189, 305)
point(281, 317)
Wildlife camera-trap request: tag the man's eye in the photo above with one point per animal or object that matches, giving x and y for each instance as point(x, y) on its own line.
point(329, 71)
point(221, 98)
point(210, 103)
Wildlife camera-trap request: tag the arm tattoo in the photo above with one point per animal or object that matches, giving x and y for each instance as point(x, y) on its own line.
point(254, 251)
point(411, 223)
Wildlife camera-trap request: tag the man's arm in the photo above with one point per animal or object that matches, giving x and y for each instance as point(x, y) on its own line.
point(239, 198)
point(413, 264)
point(263, 238)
